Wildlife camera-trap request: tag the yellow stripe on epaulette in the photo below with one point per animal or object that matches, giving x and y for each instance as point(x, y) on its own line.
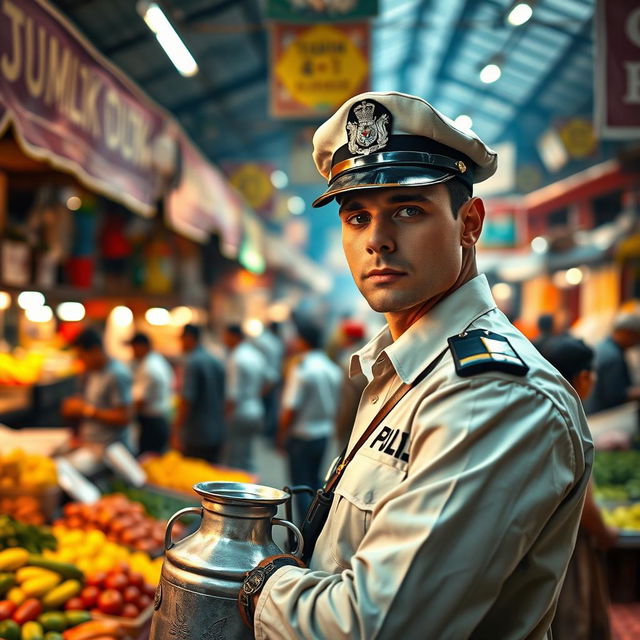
point(480, 350)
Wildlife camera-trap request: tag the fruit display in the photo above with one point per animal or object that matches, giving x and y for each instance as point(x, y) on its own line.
point(20, 369)
point(91, 551)
point(24, 508)
point(174, 471)
point(626, 517)
point(17, 534)
point(156, 502)
point(121, 520)
point(617, 475)
point(26, 472)
point(120, 592)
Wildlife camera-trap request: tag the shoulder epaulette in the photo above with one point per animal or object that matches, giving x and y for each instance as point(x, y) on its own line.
point(481, 350)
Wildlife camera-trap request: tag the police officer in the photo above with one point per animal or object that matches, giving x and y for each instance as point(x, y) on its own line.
point(457, 514)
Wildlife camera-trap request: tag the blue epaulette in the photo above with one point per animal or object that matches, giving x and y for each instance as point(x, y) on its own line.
point(481, 350)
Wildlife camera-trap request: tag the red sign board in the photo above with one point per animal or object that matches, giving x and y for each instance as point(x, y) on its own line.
point(617, 87)
point(315, 68)
point(71, 107)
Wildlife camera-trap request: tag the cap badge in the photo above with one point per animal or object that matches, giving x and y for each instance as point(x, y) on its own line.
point(368, 125)
point(462, 167)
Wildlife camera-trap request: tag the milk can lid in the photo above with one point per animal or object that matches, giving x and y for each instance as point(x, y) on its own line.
point(240, 493)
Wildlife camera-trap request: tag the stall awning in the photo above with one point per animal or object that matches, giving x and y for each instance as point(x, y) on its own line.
point(69, 106)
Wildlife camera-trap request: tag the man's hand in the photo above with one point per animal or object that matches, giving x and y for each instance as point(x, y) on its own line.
point(73, 407)
point(256, 579)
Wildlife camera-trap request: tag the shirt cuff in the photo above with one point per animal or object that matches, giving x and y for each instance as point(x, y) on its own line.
point(258, 629)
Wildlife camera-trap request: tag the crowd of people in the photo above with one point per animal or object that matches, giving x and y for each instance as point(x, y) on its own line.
point(286, 394)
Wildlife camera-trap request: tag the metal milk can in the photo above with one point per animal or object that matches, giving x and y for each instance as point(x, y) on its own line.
point(202, 574)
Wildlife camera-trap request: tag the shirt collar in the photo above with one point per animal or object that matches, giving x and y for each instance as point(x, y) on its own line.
point(449, 317)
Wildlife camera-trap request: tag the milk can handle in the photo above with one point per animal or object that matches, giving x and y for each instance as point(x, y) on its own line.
point(297, 552)
point(168, 542)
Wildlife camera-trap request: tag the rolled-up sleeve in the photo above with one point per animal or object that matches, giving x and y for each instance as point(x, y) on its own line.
point(490, 463)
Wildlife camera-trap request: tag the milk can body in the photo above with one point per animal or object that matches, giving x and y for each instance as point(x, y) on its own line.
point(202, 574)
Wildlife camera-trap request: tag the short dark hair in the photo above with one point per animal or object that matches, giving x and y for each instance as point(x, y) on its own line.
point(459, 193)
point(192, 330)
point(545, 322)
point(309, 331)
point(235, 329)
point(568, 355)
point(140, 338)
point(88, 338)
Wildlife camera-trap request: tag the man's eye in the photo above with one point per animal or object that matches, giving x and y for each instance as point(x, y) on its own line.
point(408, 212)
point(358, 219)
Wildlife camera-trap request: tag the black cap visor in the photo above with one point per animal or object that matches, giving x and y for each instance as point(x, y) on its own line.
point(380, 176)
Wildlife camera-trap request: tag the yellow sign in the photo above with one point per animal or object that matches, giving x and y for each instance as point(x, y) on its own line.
point(322, 65)
point(579, 137)
point(252, 181)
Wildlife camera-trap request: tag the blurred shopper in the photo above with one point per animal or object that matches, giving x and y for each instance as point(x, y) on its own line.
point(248, 380)
point(152, 384)
point(271, 345)
point(582, 612)
point(199, 428)
point(614, 384)
point(545, 330)
point(309, 405)
point(455, 511)
point(105, 408)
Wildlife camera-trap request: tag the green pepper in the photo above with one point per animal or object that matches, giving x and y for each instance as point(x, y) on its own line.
point(9, 630)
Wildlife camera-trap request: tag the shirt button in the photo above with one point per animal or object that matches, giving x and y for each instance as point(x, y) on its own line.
point(374, 399)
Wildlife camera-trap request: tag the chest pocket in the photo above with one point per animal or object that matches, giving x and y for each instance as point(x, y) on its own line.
point(365, 483)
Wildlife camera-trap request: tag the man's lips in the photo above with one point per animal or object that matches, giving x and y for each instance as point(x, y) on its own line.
point(384, 275)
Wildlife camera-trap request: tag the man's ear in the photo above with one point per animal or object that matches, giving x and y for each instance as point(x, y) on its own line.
point(472, 215)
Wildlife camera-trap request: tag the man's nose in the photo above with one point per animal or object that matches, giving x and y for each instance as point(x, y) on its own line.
point(380, 237)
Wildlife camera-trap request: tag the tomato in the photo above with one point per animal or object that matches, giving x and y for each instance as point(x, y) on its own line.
point(117, 581)
point(136, 579)
point(131, 594)
point(89, 596)
point(144, 601)
point(74, 604)
point(129, 610)
point(96, 579)
point(149, 589)
point(7, 608)
point(110, 602)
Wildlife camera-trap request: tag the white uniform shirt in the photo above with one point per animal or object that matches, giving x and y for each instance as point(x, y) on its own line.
point(152, 382)
point(247, 374)
point(312, 389)
point(458, 516)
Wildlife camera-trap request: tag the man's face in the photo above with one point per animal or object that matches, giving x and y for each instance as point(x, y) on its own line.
point(403, 245)
point(92, 358)
point(140, 350)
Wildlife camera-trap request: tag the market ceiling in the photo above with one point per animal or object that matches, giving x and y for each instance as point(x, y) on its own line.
point(432, 48)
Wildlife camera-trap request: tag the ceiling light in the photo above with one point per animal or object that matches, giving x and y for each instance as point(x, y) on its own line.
point(573, 276)
point(74, 203)
point(296, 205)
point(70, 311)
point(168, 39)
point(30, 299)
point(5, 300)
point(464, 122)
point(122, 316)
point(539, 245)
point(39, 314)
point(520, 14)
point(502, 291)
point(181, 315)
point(490, 73)
point(279, 179)
point(157, 316)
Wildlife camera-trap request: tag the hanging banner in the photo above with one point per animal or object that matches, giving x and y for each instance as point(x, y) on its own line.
point(71, 107)
point(321, 10)
point(314, 69)
point(253, 181)
point(202, 202)
point(617, 87)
